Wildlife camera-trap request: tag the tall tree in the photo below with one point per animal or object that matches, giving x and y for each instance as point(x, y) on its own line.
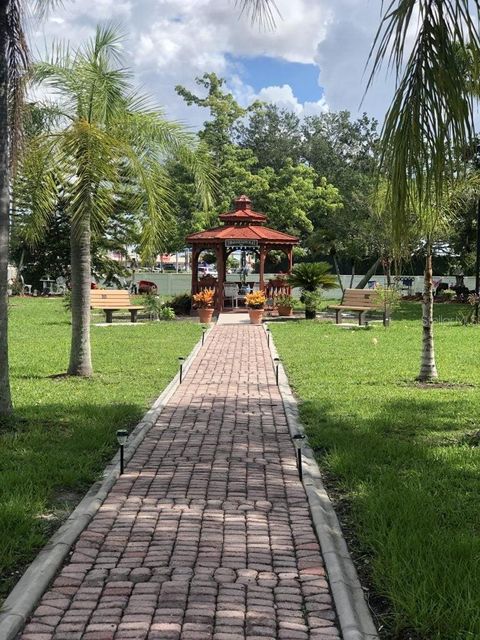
point(273, 134)
point(108, 139)
point(13, 64)
point(430, 117)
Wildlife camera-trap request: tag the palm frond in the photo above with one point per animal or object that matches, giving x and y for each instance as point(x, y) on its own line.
point(36, 188)
point(17, 67)
point(264, 12)
point(431, 114)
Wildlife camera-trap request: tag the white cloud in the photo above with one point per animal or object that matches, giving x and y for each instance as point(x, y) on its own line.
point(284, 97)
point(172, 41)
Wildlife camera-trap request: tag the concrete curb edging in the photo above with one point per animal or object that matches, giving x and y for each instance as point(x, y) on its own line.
point(353, 614)
point(23, 598)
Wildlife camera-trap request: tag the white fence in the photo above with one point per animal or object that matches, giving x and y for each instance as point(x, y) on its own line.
point(171, 284)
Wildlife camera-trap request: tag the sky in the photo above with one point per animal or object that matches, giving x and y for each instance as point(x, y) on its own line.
point(312, 61)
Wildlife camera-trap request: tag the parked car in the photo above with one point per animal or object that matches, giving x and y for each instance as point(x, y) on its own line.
point(147, 286)
point(207, 271)
point(169, 268)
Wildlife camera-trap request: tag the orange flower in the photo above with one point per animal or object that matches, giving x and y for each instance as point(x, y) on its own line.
point(255, 300)
point(204, 299)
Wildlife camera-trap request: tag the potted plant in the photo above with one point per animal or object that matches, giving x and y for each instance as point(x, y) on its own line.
point(204, 303)
point(255, 302)
point(284, 304)
point(310, 278)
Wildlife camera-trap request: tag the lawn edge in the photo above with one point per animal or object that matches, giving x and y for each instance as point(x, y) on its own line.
point(20, 603)
point(354, 616)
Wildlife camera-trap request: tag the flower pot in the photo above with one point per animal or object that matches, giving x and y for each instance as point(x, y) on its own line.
point(256, 316)
point(284, 311)
point(205, 315)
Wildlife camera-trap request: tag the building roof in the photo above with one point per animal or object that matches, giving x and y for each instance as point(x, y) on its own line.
point(242, 224)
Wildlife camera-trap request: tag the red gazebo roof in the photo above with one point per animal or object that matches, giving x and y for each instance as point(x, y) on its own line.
point(242, 224)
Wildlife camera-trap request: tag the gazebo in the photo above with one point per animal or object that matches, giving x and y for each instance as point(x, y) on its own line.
point(242, 229)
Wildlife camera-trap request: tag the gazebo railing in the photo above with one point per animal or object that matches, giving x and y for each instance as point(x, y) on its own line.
point(275, 288)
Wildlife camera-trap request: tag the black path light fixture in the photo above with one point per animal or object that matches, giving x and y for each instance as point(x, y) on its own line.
point(277, 365)
point(298, 441)
point(204, 330)
point(267, 329)
point(122, 437)
point(181, 360)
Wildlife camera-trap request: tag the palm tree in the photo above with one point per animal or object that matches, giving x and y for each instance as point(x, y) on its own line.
point(13, 63)
point(310, 277)
point(107, 140)
point(430, 118)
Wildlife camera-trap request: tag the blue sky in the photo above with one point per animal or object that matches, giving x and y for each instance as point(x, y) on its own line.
point(265, 71)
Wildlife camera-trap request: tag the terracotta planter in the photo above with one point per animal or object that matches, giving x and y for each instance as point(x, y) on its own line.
point(284, 311)
point(256, 316)
point(205, 315)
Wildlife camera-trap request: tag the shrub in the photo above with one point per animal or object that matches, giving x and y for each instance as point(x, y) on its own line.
point(311, 300)
point(153, 305)
point(284, 300)
point(449, 294)
point(67, 301)
point(310, 276)
point(181, 304)
point(166, 313)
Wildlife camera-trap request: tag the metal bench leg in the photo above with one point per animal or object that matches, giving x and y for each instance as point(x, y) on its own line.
point(109, 316)
point(338, 314)
point(361, 317)
point(133, 315)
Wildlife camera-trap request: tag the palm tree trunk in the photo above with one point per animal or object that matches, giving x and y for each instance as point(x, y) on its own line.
point(5, 395)
point(80, 352)
point(333, 253)
point(428, 368)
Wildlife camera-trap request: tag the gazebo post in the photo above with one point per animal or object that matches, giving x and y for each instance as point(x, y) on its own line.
point(263, 255)
point(195, 254)
point(220, 253)
point(290, 259)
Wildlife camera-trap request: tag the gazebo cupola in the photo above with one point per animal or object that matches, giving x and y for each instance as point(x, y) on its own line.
point(242, 229)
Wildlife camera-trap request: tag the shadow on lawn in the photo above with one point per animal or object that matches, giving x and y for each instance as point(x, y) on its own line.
point(408, 503)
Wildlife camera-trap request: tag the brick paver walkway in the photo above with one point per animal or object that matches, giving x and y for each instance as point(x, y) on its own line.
point(208, 534)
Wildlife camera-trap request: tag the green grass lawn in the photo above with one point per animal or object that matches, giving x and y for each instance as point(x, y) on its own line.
point(66, 428)
point(402, 461)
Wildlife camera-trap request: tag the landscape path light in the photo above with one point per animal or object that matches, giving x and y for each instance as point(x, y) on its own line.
point(277, 365)
point(122, 437)
point(267, 329)
point(181, 360)
point(204, 330)
point(298, 441)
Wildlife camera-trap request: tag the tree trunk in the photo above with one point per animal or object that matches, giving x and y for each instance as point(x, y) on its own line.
point(364, 281)
point(352, 277)
point(80, 353)
point(333, 253)
point(5, 395)
point(428, 368)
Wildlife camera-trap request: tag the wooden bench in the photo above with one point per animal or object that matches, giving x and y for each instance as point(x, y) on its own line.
point(359, 301)
point(111, 300)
